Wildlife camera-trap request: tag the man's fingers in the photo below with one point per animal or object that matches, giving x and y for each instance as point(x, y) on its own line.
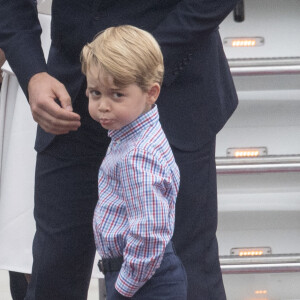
point(64, 97)
point(56, 126)
point(43, 89)
point(53, 109)
point(62, 127)
point(55, 119)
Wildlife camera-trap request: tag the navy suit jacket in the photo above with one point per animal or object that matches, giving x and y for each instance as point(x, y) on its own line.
point(198, 94)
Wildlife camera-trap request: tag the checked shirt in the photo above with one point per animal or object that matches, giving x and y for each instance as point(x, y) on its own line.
point(137, 184)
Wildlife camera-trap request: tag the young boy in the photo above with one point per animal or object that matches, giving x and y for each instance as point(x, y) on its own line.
point(138, 180)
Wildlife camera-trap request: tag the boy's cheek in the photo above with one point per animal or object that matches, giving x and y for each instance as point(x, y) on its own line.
point(91, 111)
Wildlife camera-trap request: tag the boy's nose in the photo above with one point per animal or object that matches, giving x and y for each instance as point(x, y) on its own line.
point(103, 105)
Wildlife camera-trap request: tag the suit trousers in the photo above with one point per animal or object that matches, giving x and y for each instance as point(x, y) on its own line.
point(66, 194)
point(196, 222)
point(169, 281)
point(63, 246)
point(18, 285)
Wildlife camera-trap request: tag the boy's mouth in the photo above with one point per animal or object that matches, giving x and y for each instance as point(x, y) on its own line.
point(105, 121)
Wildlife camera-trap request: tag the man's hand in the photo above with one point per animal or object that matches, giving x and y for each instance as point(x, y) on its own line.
point(43, 89)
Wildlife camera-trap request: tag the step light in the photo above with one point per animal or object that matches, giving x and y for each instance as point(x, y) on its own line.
point(251, 251)
point(261, 292)
point(242, 42)
point(246, 152)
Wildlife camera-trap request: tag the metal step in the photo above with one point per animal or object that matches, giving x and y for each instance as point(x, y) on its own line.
point(265, 66)
point(283, 263)
point(266, 164)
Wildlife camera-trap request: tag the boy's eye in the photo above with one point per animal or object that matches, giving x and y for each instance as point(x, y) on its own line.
point(95, 93)
point(117, 95)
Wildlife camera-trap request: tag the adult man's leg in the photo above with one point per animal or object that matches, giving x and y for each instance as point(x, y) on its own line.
point(196, 222)
point(63, 248)
point(65, 197)
point(18, 285)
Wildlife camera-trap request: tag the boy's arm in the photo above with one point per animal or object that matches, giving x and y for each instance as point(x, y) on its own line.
point(144, 188)
point(181, 33)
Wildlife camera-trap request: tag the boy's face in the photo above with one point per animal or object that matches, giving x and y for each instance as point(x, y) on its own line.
point(113, 107)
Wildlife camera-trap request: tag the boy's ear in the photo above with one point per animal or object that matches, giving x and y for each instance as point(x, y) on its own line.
point(153, 93)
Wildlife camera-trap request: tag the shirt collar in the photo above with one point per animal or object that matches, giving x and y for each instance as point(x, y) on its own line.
point(144, 120)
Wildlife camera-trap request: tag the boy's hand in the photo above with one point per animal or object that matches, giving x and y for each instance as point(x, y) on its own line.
point(43, 89)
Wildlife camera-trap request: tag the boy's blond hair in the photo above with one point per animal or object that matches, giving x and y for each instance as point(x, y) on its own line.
point(129, 54)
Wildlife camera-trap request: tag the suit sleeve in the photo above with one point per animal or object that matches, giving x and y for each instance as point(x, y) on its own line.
point(20, 32)
point(181, 32)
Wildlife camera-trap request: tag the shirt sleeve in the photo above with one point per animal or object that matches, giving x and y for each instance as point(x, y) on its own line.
point(145, 190)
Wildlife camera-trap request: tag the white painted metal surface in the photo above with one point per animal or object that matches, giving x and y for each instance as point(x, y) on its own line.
point(259, 198)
